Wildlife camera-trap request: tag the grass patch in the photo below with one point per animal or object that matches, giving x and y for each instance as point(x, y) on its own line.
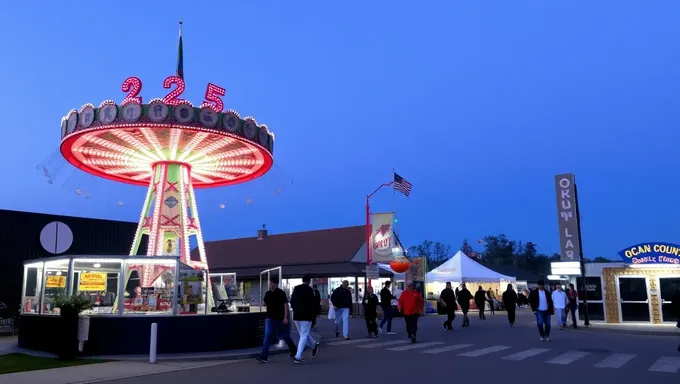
point(18, 362)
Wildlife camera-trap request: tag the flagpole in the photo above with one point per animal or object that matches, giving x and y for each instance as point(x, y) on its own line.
point(394, 204)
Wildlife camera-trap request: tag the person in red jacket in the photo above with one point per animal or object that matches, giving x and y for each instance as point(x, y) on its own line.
point(411, 305)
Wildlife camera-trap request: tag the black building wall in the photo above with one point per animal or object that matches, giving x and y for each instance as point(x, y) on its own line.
point(20, 241)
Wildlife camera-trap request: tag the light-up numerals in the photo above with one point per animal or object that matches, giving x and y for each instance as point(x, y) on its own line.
point(213, 99)
point(133, 86)
point(172, 97)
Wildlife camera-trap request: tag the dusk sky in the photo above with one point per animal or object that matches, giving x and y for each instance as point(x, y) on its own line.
point(477, 103)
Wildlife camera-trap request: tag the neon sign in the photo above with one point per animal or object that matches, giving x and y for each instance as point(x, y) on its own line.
point(213, 93)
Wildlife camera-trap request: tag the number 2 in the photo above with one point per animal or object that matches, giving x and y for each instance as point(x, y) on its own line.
point(172, 97)
point(132, 85)
point(213, 99)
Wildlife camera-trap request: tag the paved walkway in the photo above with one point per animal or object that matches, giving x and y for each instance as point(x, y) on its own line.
point(93, 373)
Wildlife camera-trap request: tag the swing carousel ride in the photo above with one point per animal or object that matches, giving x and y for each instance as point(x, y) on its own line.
point(173, 148)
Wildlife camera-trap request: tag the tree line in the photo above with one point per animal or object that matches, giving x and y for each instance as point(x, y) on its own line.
point(493, 250)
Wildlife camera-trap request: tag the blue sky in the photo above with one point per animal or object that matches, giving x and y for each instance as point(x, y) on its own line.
point(478, 104)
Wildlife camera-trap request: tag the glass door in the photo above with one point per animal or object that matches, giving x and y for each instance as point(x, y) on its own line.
point(668, 286)
point(633, 299)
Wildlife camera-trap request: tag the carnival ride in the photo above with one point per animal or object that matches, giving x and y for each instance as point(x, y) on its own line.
point(172, 147)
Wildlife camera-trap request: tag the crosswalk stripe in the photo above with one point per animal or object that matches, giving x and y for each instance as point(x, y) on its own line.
point(385, 344)
point(348, 342)
point(414, 346)
point(447, 348)
point(567, 358)
point(484, 351)
point(525, 354)
point(666, 364)
point(616, 360)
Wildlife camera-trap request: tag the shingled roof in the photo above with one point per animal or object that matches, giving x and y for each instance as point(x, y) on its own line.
point(336, 245)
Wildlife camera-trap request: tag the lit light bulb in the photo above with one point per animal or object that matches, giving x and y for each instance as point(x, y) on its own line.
point(96, 265)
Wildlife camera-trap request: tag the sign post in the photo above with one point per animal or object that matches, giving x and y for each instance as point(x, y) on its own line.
point(569, 224)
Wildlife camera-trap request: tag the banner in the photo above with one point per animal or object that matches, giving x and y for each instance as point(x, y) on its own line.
point(92, 281)
point(54, 281)
point(567, 219)
point(382, 237)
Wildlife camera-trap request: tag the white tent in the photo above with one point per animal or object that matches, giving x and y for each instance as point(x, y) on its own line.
point(397, 276)
point(461, 269)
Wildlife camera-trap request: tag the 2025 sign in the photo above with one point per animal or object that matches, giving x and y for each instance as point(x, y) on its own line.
point(213, 93)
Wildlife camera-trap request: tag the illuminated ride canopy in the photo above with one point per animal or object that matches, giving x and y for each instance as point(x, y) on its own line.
point(172, 147)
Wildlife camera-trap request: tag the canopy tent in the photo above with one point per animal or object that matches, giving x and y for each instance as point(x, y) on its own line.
point(461, 269)
point(397, 276)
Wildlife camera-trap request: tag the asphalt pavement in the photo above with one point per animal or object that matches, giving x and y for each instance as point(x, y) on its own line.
point(487, 350)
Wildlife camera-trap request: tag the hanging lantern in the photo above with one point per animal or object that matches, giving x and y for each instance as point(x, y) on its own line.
point(400, 264)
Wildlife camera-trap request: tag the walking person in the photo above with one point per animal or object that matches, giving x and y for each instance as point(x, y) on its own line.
point(541, 304)
point(510, 302)
point(370, 303)
point(480, 301)
point(411, 305)
point(447, 298)
point(277, 320)
point(317, 299)
point(464, 296)
point(342, 301)
point(560, 301)
point(386, 298)
point(573, 305)
point(304, 310)
point(491, 299)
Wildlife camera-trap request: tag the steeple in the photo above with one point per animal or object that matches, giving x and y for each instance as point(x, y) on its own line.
point(180, 55)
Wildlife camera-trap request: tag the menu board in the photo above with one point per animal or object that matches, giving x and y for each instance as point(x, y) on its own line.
point(55, 281)
point(92, 281)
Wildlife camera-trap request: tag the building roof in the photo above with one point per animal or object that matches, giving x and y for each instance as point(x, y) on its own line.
point(313, 270)
point(335, 245)
point(519, 273)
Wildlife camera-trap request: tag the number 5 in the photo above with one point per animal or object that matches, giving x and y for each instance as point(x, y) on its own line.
point(213, 99)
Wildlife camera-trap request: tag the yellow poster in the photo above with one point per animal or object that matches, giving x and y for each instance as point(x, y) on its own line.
point(54, 281)
point(92, 281)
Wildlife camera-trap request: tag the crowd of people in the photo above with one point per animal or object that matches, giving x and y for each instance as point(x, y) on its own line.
point(305, 302)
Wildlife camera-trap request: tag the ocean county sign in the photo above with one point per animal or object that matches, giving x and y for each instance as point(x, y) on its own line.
point(652, 253)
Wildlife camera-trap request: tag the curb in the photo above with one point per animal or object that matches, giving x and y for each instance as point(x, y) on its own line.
point(214, 358)
point(627, 332)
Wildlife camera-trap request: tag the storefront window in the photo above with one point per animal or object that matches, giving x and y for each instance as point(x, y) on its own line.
point(56, 280)
point(192, 290)
point(33, 275)
point(98, 280)
point(594, 288)
point(149, 286)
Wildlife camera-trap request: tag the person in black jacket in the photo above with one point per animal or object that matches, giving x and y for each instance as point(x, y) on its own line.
point(370, 303)
point(342, 302)
point(448, 299)
point(541, 304)
point(510, 303)
point(480, 301)
point(386, 298)
point(304, 311)
point(464, 296)
point(317, 300)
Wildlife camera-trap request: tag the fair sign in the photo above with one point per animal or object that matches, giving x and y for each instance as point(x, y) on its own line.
point(651, 253)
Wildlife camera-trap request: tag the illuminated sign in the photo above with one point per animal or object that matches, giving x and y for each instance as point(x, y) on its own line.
point(92, 281)
point(652, 253)
point(54, 281)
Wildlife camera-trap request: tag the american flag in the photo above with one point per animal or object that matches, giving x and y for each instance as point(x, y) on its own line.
point(401, 185)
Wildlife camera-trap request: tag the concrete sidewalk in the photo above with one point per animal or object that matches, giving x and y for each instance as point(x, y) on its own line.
point(633, 329)
point(94, 373)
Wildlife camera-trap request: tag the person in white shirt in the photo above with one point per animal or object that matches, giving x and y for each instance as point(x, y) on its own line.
point(560, 301)
point(541, 304)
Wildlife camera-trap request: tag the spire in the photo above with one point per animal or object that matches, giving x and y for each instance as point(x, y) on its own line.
point(180, 55)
